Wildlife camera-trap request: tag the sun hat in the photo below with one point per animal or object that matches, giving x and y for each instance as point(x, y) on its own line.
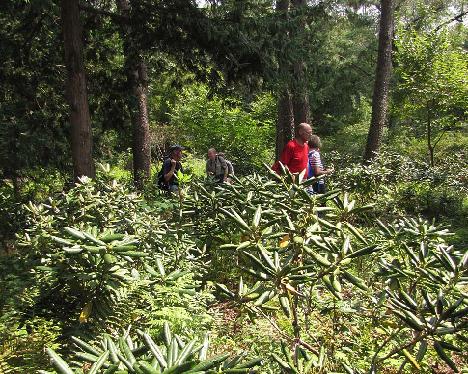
point(175, 146)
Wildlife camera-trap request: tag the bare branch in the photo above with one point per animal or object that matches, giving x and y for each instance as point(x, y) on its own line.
point(458, 17)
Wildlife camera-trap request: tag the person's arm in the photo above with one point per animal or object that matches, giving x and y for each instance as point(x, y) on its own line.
point(169, 169)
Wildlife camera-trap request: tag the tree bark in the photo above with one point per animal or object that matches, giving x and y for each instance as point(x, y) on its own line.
point(137, 101)
point(300, 96)
point(76, 94)
point(285, 122)
point(382, 80)
point(300, 92)
point(141, 133)
point(430, 146)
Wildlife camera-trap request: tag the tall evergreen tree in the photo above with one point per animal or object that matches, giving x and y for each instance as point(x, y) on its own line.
point(382, 79)
point(285, 121)
point(137, 74)
point(300, 92)
point(76, 92)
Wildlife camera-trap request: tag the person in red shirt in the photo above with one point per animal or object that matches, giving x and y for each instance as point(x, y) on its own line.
point(295, 155)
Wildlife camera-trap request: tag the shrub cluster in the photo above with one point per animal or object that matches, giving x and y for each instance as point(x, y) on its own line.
point(340, 281)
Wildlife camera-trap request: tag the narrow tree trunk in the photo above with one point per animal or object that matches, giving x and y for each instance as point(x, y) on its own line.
point(300, 92)
point(11, 163)
point(300, 96)
point(77, 97)
point(382, 80)
point(137, 102)
point(285, 122)
point(430, 147)
point(141, 133)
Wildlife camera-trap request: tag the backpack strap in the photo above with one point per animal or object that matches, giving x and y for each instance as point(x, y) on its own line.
point(220, 159)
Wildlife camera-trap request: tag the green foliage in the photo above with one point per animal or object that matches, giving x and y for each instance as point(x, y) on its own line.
point(329, 286)
point(341, 67)
point(93, 267)
point(32, 111)
point(34, 127)
point(91, 243)
point(300, 254)
point(432, 93)
point(423, 198)
point(87, 262)
point(406, 144)
point(349, 132)
point(204, 122)
point(17, 191)
point(338, 282)
point(425, 279)
point(22, 340)
point(141, 354)
point(23, 346)
point(400, 185)
point(8, 213)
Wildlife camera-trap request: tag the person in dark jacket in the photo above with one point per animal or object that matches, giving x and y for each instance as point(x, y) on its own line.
point(171, 166)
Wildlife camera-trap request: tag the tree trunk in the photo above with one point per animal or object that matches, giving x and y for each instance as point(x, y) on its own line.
point(430, 146)
point(285, 122)
point(137, 102)
point(141, 134)
point(300, 92)
point(11, 162)
point(76, 94)
point(382, 80)
point(300, 96)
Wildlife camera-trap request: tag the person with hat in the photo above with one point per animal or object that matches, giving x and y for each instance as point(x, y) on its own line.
point(170, 168)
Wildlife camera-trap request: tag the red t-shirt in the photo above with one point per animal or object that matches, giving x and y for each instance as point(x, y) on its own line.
point(294, 156)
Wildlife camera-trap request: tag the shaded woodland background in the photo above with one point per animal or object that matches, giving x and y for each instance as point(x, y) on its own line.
point(371, 277)
point(149, 67)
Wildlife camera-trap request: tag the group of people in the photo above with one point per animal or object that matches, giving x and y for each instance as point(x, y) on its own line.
point(301, 153)
point(217, 167)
